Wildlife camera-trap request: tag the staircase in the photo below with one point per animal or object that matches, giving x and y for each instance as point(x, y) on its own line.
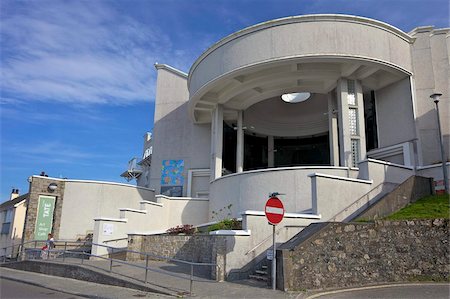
point(261, 274)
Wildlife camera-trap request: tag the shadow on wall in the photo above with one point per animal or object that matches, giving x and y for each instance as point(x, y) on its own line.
point(430, 135)
point(177, 138)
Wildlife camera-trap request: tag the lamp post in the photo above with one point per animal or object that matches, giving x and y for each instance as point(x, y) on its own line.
point(435, 97)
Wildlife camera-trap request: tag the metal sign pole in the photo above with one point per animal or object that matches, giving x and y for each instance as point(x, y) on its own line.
point(274, 261)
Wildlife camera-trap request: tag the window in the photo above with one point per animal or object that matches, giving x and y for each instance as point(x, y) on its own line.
point(353, 121)
point(355, 152)
point(6, 225)
point(351, 95)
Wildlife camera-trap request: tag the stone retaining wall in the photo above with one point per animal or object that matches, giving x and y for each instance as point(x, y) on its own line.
point(194, 248)
point(354, 254)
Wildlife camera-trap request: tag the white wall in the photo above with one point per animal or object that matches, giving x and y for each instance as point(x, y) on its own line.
point(85, 200)
point(395, 118)
point(250, 190)
point(332, 35)
point(430, 58)
point(245, 249)
point(175, 137)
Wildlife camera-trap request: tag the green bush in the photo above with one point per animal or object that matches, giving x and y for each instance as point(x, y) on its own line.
point(226, 224)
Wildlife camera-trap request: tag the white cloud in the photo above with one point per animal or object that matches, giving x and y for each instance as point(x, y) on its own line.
point(80, 52)
point(50, 152)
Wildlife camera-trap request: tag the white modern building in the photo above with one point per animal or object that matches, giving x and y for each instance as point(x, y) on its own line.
point(333, 111)
point(281, 105)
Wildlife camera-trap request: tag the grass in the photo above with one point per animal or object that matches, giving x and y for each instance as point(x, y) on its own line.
point(430, 207)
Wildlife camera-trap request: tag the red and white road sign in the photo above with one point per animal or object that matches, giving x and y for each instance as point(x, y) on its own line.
point(274, 210)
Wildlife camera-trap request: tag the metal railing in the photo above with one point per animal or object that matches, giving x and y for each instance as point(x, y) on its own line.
point(269, 237)
point(47, 255)
point(364, 201)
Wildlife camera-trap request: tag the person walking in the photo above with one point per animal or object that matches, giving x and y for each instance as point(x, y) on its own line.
point(49, 245)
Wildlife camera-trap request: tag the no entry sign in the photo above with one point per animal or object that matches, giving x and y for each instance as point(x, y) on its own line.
point(274, 210)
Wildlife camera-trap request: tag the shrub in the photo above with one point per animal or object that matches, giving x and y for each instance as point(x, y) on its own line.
point(226, 224)
point(181, 229)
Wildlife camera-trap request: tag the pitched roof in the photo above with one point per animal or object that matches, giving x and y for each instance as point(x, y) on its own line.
point(11, 203)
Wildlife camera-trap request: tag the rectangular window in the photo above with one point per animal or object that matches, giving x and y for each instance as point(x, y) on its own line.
point(6, 222)
point(351, 94)
point(355, 152)
point(353, 121)
point(5, 228)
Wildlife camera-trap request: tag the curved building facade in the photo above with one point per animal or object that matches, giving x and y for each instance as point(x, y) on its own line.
point(285, 104)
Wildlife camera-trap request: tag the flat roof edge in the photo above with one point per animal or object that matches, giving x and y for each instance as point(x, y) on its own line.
point(171, 69)
point(297, 19)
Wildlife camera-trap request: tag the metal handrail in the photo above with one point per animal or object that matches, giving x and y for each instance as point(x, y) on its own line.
point(270, 237)
point(113, 240)
point(365, 196)
point(147, 255)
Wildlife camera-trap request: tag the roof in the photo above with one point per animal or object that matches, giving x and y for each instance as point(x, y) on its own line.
point(11, 203)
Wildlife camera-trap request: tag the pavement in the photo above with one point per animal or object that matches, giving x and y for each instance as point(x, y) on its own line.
point(173, 279)
point(161, 277)
point(397, 291)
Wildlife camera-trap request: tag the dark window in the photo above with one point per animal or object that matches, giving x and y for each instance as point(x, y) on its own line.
point(255, 152)
point(302, 151)
point(229, 148)
point(370, 120)
point(5, 228)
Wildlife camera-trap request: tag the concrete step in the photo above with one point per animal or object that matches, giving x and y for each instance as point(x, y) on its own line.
point(258, 277)
point(261, 272)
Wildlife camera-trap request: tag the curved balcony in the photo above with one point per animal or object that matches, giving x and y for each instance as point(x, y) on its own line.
point(249, 190)
point(304, 53)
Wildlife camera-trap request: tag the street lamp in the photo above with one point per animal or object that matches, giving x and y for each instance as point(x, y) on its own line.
point(435, 97)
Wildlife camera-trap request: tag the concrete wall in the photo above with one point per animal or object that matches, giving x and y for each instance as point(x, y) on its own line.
point(430, 58)
point(347, 255)
point(332, 195)
point(395, 118)
point(435, 172)
point(381, 171)
point(151, 217)
point(175, 137)
point(250, 190)
point(86, 200)
point(408, 192)
point(301, 36)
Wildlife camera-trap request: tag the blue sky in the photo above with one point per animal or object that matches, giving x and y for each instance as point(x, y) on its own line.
point(78, 82)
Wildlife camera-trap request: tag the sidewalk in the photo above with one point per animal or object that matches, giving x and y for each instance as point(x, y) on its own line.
point(202, 287)
point(73, 286)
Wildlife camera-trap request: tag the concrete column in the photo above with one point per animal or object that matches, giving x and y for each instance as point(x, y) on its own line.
point(240, 143)
point(333, 130)
point(345, 151)
point(361, 121)
point(271, 153)
point(216, 142)
point(346, 134)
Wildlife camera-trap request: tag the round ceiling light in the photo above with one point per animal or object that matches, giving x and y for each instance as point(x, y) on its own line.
point(295, 97)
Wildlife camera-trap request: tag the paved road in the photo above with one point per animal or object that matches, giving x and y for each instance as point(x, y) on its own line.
point(13, 289)
point(422, 291)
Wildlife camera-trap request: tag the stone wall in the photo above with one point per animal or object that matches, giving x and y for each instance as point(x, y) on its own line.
point(354, 254)
point(194, 248)
point(39, 186)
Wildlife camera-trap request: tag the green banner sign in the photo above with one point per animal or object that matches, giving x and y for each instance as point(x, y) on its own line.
point(44, 219)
